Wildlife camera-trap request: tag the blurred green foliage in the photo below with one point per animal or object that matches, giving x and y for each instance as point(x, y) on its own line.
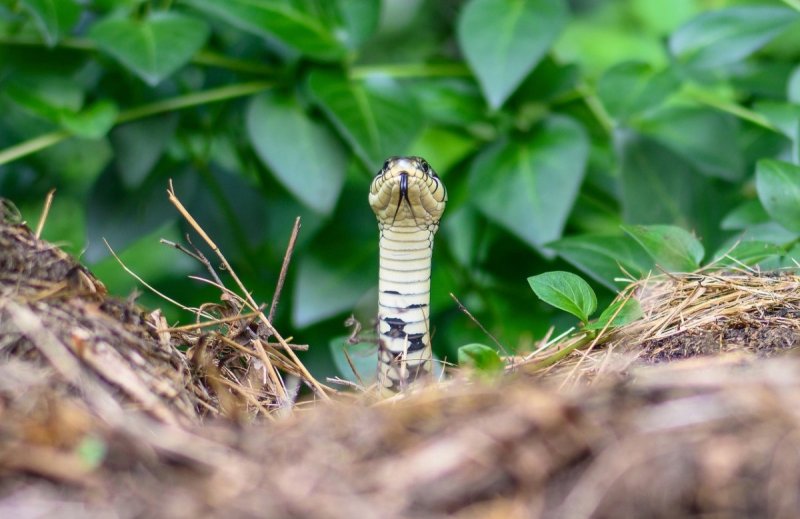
point(553, 124)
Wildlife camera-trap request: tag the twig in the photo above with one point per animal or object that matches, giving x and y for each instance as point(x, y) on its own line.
point(149, 287)
point(206, 324)
point(202, 257)
point(472, 318)
point(189, 218)
point(48, 201)
point(352, 366)
point(287, 257)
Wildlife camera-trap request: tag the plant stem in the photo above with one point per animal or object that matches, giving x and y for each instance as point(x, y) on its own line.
point(411, 70)
point(203, 57)
point(140, 112)
point(560, 354)
point(193, 99)
point(41, 142)
point(732, 108)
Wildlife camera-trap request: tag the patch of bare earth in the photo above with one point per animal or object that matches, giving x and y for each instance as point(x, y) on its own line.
point(105, 411)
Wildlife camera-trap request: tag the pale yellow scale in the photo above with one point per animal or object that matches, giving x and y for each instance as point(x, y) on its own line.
point(408, 199)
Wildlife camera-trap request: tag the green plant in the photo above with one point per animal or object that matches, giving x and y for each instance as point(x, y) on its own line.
point(553, 126)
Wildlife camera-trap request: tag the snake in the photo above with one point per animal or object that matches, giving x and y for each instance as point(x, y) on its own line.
point(408, 199)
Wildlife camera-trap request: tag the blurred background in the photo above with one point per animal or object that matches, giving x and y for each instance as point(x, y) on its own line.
point(552, 123)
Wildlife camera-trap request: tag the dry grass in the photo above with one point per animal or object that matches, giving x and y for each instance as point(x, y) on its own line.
point(107, 411)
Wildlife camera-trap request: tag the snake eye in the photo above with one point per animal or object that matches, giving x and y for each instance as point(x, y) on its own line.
point(425, 166)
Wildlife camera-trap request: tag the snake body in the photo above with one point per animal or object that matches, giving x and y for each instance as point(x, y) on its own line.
point(408, 199)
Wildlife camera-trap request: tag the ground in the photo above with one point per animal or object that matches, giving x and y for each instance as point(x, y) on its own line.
point(692, 411)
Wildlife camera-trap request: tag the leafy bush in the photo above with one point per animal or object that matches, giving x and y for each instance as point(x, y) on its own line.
point(596, 136)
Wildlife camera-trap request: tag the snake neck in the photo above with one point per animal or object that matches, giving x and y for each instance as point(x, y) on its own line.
point(404, 305)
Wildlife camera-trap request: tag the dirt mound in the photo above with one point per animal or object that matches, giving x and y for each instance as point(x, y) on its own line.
point(104, 411)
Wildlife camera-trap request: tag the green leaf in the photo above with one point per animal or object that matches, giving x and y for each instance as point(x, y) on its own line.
point(91, 451)
point(529, 186)
point(152, 48)
point(504, 40)
point(324, 289)
point(702, 136)
point(481, 357)
point(451, 101)
point(630, 88)
point(566, 291)
point(149, 261)
point(358, 20)
point(363, 355)
point(778, 186)
point(675, 249)
point(784, 116)
point(659, 186)
point(92, 122)
point(443, 146)
point(46, 97)
point(304, 155)
point(279, 20)
point(377, 118)
point(747, 214)
point(603, 257)
point(626, 310)
point(54, 18)
point(76, 163)
point(138, 145)
point(65, 225)
point(729, 35)
point(793, 86)
point(596, 41)
point(745, 252)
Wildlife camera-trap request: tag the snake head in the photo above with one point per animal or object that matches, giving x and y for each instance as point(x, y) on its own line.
point(407, 192)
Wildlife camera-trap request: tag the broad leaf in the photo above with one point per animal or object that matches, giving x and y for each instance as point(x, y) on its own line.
point(362, 355)
point(138, 145)
point(702, 136)
point(328, 281)
point(76, 163)
point(632, 88)
point(566, 291)
point(291, 144)
point(745, 253)
point(786, 118)
point(357, 19)
point(728, 35)
point(604, 257)
point(54, 18)
point(450, 101)
point(504, 40)
point(152, 48)
point(277, 19)
point(658, 186)
point(778, 185)
point(481, 357)
point(377, 118)
point(619, 313)
point(443, 147)
point(747, 214)
point(323, 290)
point(92, 122)
point(793, 87)
point(529, 186)
point(675, 249)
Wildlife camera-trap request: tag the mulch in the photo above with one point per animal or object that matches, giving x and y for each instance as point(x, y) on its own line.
point(106, 411)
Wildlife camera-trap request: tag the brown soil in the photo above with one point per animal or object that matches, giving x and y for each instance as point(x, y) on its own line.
point(104, 413)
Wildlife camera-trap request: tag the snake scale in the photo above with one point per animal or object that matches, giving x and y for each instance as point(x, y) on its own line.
point(408, 199)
